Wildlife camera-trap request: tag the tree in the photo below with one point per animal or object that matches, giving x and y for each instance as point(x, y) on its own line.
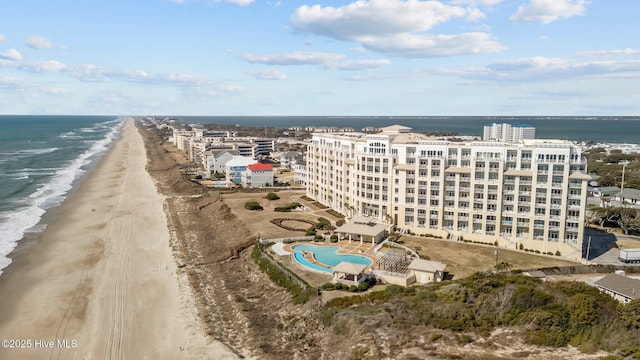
point(627, 220)
point(583, 309)
point(630, 314)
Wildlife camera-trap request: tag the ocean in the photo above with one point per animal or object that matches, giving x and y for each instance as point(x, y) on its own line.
point(609, 129)
point(41, 159)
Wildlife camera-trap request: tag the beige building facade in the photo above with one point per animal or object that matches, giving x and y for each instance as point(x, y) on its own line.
point(530, 194)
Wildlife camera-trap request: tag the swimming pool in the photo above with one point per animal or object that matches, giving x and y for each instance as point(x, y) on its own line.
point(326, 255)
point(300, 258)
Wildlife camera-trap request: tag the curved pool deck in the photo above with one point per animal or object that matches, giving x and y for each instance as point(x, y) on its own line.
point(323, 258)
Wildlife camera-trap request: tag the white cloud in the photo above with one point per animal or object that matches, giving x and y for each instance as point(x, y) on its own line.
point(9, 83)
point(295, 58)
point(373, 18)
point(544, 69)
point(395, 27)
point(619, 52)
point(474, 15)
point(358, 65)
point(548, 11)
point(3, 38)
point(419, 46)
point(16, 84)
point(43, 66)
point(11, 54)
point(39, 42)
point(268, 74)
point(476, 2)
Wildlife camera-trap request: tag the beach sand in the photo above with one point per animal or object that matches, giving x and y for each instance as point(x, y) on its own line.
point(101, 281)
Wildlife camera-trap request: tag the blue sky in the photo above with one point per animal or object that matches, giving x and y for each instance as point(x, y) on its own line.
point(376, 57)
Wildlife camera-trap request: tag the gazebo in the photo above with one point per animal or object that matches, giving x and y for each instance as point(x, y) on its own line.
point(349, 273)
point(364, 229)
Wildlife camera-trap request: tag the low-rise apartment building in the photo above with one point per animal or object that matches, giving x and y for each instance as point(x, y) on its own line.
point(530, 194)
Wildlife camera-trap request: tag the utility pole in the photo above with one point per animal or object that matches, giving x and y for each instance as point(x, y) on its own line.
point(624, 166)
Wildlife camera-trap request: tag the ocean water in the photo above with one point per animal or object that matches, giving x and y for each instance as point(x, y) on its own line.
point(41, 159)
point(599, 128)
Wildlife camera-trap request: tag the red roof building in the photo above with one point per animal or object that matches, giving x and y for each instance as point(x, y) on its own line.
point(260, 167)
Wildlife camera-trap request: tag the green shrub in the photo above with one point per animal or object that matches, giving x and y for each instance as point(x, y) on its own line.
point(299, 295)
point(287, 208)
point(253, 205)
point(340, 222)
point(318, 238)
point(272, 196)
point(311, 231)
point(334, 238)
point(328, 286)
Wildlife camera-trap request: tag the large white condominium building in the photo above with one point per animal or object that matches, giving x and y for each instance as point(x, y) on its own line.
point(530, 194)
point(511, 133)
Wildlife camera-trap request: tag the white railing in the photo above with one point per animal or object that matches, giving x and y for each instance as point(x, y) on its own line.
point(280, 240)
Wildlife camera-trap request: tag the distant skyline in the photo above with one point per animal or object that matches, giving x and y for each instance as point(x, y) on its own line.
point(377, 57)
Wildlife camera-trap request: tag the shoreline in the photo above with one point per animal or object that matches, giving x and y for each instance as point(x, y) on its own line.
point(31, 235)
point(102, 278)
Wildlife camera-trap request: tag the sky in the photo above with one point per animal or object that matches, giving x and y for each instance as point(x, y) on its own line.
point(305, 57)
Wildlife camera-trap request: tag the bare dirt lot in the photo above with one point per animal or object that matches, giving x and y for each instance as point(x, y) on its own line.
point(259, 221)
point(464, 259)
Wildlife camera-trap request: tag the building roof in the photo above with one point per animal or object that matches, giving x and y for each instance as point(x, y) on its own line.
point(426, 265)
point(396, 129)
point(629, 194)
point(362, 226)
point(580, 176)
point(622, 285)
point(349, 268)
point(260, 167)
point(240, 161)
point(607, 190)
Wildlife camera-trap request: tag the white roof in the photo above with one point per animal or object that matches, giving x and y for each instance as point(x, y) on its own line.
point(362, 226)
point(349, 268)
point(427, 265)
point(396, 129)
point(240, 161)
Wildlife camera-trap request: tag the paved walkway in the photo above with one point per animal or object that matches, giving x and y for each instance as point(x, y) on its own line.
point(278, 248)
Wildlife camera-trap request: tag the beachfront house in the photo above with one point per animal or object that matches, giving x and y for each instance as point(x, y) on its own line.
point(258, 175)
point(235, 167)
point(299, 169)
point(628, 197)
point(427, 271)
point(215, 160)
point(288, 158)
point(620, 287)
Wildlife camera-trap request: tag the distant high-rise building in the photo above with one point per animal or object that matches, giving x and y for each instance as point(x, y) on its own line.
point(509, 133)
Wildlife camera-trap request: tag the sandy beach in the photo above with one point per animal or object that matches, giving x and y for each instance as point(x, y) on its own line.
point(101, 281)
